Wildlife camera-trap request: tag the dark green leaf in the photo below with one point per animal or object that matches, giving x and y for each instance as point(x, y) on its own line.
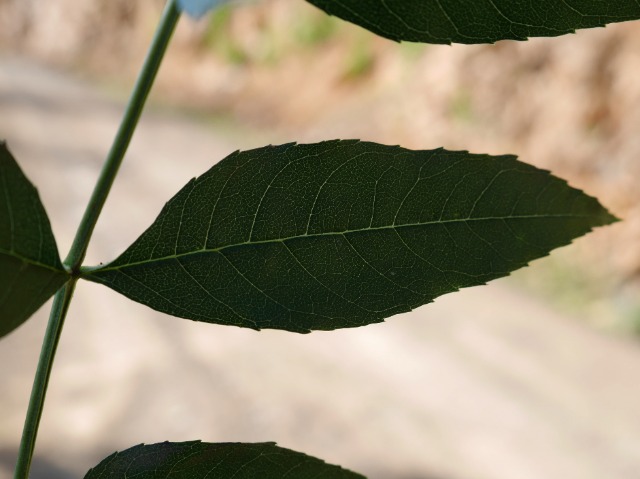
point(200, 460)
point(30, 268)
point(343, 233)
point(478, 21)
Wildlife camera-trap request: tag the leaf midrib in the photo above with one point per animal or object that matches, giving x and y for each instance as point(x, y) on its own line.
point(99, 269)
point(31, 261)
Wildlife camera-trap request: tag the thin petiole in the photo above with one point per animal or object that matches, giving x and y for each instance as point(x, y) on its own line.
point(61, 302)
point(143, 85)
point(74, 259)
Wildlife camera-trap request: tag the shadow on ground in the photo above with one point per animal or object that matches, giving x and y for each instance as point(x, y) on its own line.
point(44, 468)
point(41, 467)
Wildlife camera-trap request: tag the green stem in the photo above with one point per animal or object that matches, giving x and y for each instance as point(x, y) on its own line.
point(121, 142)
point(62, 299)
point(41, 380)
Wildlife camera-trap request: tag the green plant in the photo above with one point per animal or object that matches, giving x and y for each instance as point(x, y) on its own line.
point(359, 62)
point(315, 29)
point(304, 237)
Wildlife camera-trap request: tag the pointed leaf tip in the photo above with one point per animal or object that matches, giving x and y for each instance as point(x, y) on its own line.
point(30, 268)
point(197, 460)
point(344, 233)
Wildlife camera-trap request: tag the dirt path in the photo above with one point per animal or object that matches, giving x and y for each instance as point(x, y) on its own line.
point(483, 384)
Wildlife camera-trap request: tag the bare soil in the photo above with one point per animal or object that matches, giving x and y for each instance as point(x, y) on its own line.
point(569, 104)
point(488, 383)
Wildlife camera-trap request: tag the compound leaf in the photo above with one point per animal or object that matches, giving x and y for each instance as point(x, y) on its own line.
point(343, 233)
point(199, 460)
point(30, 268)
point(478, 21)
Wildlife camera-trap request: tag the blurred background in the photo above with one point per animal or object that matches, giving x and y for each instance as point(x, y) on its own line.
point(532, 376)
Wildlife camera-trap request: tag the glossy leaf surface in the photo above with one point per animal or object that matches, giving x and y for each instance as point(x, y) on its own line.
point(199, 460)
point(343, 233)
point(30, 268)
point(478, 21)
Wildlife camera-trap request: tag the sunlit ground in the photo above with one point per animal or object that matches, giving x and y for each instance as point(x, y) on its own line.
point(532, 376)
